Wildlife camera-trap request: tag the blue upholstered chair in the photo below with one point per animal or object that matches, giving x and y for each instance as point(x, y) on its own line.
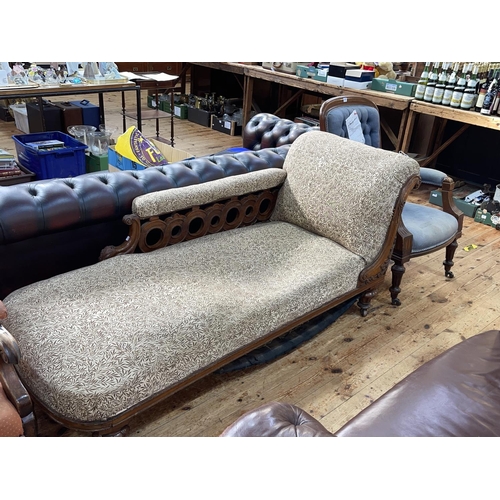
point(424, 229)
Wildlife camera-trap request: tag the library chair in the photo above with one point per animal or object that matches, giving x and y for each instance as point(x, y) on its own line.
point(423, 229)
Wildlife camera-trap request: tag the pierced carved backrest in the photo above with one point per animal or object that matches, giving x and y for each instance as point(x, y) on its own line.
point(343, 190)
point(335, 111)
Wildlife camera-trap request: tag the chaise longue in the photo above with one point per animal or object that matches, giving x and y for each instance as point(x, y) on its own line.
point(207, 273)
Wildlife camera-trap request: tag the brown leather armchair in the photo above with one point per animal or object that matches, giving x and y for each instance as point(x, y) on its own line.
point(455, 394)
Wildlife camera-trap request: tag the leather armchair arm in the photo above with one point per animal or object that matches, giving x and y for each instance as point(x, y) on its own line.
point(276, 420)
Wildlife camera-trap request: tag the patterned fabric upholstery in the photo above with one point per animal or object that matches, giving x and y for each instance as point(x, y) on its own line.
point(171, 200)
point(368, 116)
point(98, 340)
point(10, 421)
point(354, 210)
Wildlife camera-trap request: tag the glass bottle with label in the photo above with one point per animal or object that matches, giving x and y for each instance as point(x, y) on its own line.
point(450, 85)
point(469, 94)
point(489, 98)
point(459, 89)
point(422, 82)
point(483, 90)
point(437, 97)
point(431, 84)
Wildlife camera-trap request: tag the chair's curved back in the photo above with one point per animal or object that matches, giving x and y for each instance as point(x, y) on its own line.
point(334, 112)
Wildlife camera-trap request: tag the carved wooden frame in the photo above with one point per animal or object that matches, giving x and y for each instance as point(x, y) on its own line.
point(158, 231)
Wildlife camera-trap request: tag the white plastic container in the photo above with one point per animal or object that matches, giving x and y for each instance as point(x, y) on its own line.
point(20, 117)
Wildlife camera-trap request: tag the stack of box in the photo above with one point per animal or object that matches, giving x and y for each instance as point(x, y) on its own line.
point(11, 172)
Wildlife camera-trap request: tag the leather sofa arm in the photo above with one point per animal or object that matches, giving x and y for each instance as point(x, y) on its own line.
point(266, 130)
point(276, 420)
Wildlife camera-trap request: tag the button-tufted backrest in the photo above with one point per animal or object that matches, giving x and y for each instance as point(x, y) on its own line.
point(335, 111)
point(52, 226)
point(266, 130)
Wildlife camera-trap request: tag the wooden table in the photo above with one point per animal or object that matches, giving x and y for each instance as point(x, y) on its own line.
point(145, 82)
point(443, 114)
point(62, 90)
point(304, 85)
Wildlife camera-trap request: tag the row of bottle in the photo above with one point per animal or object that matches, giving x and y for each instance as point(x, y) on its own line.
point(469, 86)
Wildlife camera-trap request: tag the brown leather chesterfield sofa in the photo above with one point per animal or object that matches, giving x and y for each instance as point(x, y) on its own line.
point(455, 394)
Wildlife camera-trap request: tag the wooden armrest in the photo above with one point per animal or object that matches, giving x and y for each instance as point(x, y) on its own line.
point(448, 201)
point(3, 311)
point(11, 383)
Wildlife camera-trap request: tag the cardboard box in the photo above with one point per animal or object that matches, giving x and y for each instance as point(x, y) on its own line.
point(359, 75)
point(485, 217)
point(180, 110)
point(199, 116)
point(394, 86)
point(321, 75)
point(228, 127)
point(301, 71)
point(357, 85)
point(96, 163)
point(335, 81)
point(468, 209)
point(118, 163)
point(338, 69)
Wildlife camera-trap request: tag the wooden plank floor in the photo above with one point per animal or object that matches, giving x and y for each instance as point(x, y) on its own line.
point(353, 362)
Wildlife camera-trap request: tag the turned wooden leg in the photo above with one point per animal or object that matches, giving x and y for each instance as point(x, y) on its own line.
point(448, 263)
point(364, 302)
point(398, 270)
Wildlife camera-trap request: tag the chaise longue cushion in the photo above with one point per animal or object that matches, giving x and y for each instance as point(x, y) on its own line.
point(136, 324)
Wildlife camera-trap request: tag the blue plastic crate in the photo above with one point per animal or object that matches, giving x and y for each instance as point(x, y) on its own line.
point(68, 161)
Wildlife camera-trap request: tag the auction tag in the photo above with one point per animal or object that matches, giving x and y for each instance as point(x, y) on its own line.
point(354, 129)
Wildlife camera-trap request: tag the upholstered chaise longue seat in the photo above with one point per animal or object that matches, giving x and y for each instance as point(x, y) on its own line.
point(101, 343)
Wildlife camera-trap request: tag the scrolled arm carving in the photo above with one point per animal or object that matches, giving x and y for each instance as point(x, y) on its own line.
point(9, 350)
point(130, 244)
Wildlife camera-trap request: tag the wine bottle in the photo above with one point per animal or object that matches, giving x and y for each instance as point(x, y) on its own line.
point(459, 89)
point(450, 85)
point(489, 98)
point(422, 82)
point(431, 84)
point(437, 97)
point(483, 90)
point(470, 90)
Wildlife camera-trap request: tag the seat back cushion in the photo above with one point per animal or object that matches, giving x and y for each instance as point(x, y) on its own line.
point(368, 117)
point(98, 340)
point(343, 190)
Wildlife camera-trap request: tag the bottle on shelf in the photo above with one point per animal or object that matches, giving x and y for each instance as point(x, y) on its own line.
point(437, 97)
point(431, 84)
point(489, 98)
point(458, 91)
point(450, 85)
point(422, 82)
point(483, 89)
point(469, 95)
